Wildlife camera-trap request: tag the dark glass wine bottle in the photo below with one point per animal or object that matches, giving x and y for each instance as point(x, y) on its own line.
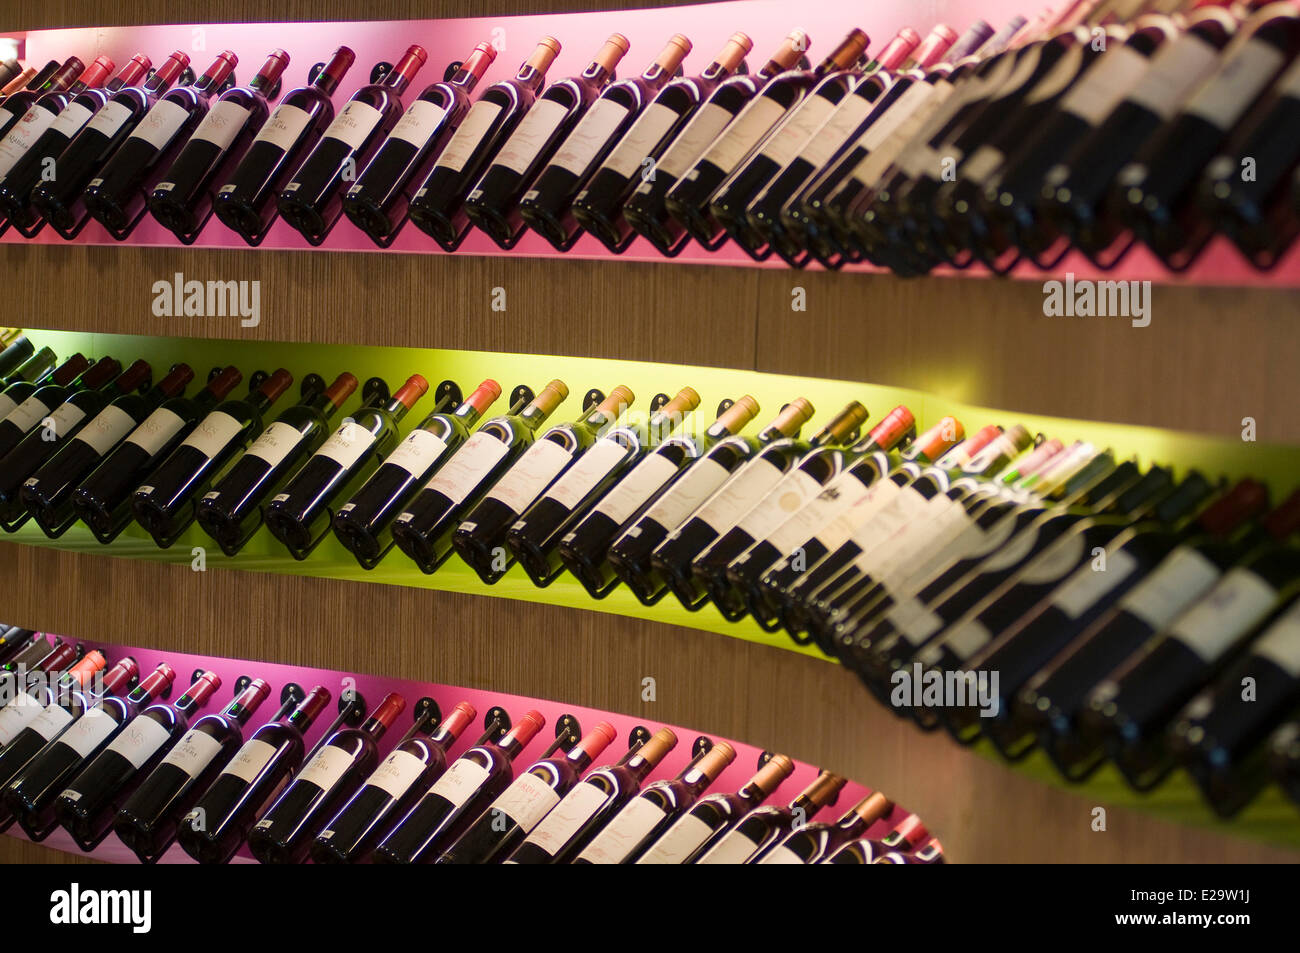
point(377, 202)
point(149, 819)
point(47, 398)
point(364, 523)
point(14, 354)
point(312, 201)
point(493, 204)
point(20, 383)
point(103, 500)
point(813, 843)
point(21, 135)
point(232, 510)
point(246, 202)
point(182, 200)
point(213, 830)
point(28, 690)
point(14, 107)
point(905, 837)
point(764, 826)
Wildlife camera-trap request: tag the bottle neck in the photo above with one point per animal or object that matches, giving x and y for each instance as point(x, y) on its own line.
point(300, 720)
point(396, 409)
point(467, 414)
point(374, 728)
point(237, 713)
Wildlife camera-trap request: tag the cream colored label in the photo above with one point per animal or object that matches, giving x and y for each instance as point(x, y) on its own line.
point(347, 445)
point(531, 136)
point(139, 740)
point(194, 752)
point(1088, 585)
point(354, 124)
point(793, 491)
point(89, 732)
point(1058, 78)
point(419, 451)
point(589, 136)
point(468, 136)
point(1239, 601)
point(419, 123)
point(17, 715)
point(158, 428)
point(460, 782)
point(51, 721)
point(109, 119)
point(531, 474)
point(526, 801)
point(250, 760)
point(1281, 643)
point(742, 135)
point(284, 126)
point(70, 121)
point(213, 433)
point(326, 768)
point(65, 418)
point(566, 818)
point(7, 404)
point(735, 848)
point(396, 773)
point(849, 114)
point(27, 414)
point(108, 427)
point(20, 138)
point(781, 855)
point(222, 124)
point(160, 124)
point(698, 134)
point(468, 466)
point(982, 164)
point(630, 493)
point(1176, 69)
point(739, 495)
point(696, 485)
point(1101, 88)
point(1226, 95)
point(622, 835)
point(276, 443)
point(635, 147)
point(592, 467)
point(678, 842)
point(1180, 579)
point(797, 130)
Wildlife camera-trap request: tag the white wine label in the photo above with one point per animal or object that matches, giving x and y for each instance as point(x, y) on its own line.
point(1280, 644)
point(803, 524)
point(347, 445)
point(887, 123)
point(325, 769)
point(24, 132)
point(1177, 68)
point(630, 493)
point(418, 125)
point(589, 136)
point(284, 126)
point(781, 855)
point(396, 773)
point(903, 508)
point(65, 418)
point(531, 136)
point(1101, 88)
point(753, 123)
point(870, 170)
point(1089, 585)
point(685, 496)
point(194, 752)
point(914, 621)
point(863, 506)
point(739, 495)
point(108, 427)
point(967, 638)
point(678, 842)
point(18, 714)
point(7, 404)
point(567, 817)
point(250, 760)
point(1059, 77)
point(1180, 579)
point(1227, 612)
point(735, 848)
point(138, 741)
point(983, 162)
point(468, 466)
point(276, 443)
point(27, 414)
point(109, 119)
point(526, 801)
point(531, 474)
point(89, 732)
point(697, 135)
point(419, 451)
point(797, 129)
point(221, 125)
point(835, 132)
point(213, 433)
point(622, 835)
point(1055, 562)
point(639, 143)
point(460, 781)
point(160, 124)
point(52, 720)
point(592, 467)
point(789, 495)
point(469, 134)
point(158, 428)
point(1222, 98)
point(70, 121)
point(354, 124)
point(916, 544)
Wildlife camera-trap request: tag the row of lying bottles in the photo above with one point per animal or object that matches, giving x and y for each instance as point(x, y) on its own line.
point(1099, 125)
point(1111, 609)
point(92, 748)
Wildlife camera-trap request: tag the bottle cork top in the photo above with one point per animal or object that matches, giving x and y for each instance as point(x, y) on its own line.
point(824, 789)
point(276, 384)
point(70, 370)
point(769, 777)
point(134, 376)
point(850, 49)
point(343, 387)
point(544, 54)
point(120, 675)
point(794, 46)
point(596, 740)
point(225, 382)
point(618, 400)
point(136, 67)
point(1243, 502)
point(388, 710)
point(611, 52)
point(551, 396)
point(458, 719)
point(739, 414)
point(674, 51)
point(660, 743)
point(713, 762)
point(897, 425)
point(734, 51)
point(484, 396)
point(409, 393)
point(793, 416)
point(873, 807)
point(686, 400)
point(846, 422)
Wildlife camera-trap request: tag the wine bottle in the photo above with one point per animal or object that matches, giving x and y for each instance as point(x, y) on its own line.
point(713, 815)
point(165, 504)
point(745, 483)
point(364, 523)
point(182, 200)
point(8, 70)
point(31, 795)
point(300, 515)
point(547, 205)
point(631, 161)
point(585, 549)
point(232, 510)
point(47, 493)
point(641, 822)
point(13, 639)
point(284, 834)
point(16, 105)
point(585, 810)
point(646, 210)
point(30, 656)
point(807, 100)
point(27, 690)
point(21, 135)
point(61, 201)
point(37, 371)
point(149, 819)
point(929, 853)
point(377, 202)
point(535, 536)
point(390, 792)
point(481, 538)
point(437, 207)
point(20, 81)
point(424, 530)
point(27, 172)
point(493, 204)
point(813, 843)
point(246, 202)
point(312, 200)
point(764, 826)
point(905, 837)
point(116, 197)
point(91, 800)
point(457, 798)
point(512, 816)
point(46, 399)
point(213, 830)
point(15, 354)
point(103, 500)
